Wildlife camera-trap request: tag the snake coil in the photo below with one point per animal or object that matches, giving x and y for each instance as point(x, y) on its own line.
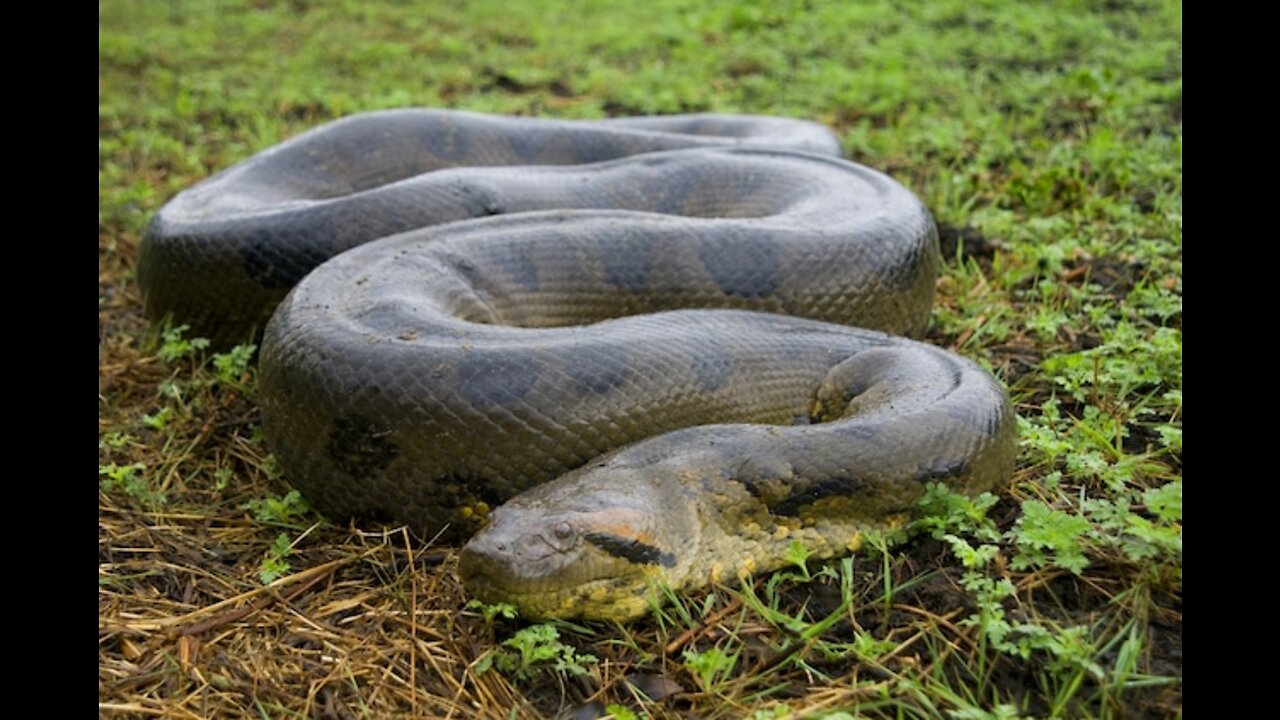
point(640, 329)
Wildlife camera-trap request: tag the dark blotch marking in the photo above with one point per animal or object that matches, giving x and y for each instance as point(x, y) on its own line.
point(360, 447)
point(455, 490)
point(767, 488)
point(769, 479)
point(631, 550)
point(589, 147)
point(598, 370)
point(627, 264)
point(743, 267)
point(676, 190)
point(712, 367)
point(940, 469)
point(994, 421)
point(528, 146)
point(496, 378)
point(841, 486)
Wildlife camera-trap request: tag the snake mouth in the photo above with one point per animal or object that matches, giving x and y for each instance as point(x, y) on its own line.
point(626, 592)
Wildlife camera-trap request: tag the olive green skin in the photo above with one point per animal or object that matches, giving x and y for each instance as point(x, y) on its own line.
point(659, 332)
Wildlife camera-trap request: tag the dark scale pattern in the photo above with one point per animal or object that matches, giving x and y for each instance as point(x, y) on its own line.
point(280, 265)
point(476, 354)
point(631, 550)
point(359, 447)
point(524, 273)
point(712, 366)
point(940, 469)
point(489, 379)
point(844, 485)
point(598, 373)
point(743, 267)
point(629, 267)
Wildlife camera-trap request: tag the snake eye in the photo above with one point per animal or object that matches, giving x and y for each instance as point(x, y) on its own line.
point(561, 536)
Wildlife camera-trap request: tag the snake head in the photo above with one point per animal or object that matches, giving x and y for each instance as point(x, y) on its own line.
point(589, 545)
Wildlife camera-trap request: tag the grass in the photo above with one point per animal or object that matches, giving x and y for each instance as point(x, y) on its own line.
point(1047, 140)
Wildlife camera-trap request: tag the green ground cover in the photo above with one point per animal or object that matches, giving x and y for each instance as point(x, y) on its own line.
point(1047, 140)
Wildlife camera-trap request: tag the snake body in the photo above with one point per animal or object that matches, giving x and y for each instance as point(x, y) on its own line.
point(643, 337)
point(221, 255)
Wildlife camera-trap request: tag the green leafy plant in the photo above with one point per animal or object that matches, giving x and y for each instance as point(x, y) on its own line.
point(222, 478)
point(285, 510)
point(234, 367)
point(532, 649)
point(174, 347)
point(492, 611)
point(115, 441)
point(619, 712)
point(798, 555)
point(159, 419)
point(1142, 537)
point(1045, 536)
point(710, 667)
point(274, 566)
point(129, 480)
point(941, 511)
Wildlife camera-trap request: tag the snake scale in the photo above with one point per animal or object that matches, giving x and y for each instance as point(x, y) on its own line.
point(639, 334)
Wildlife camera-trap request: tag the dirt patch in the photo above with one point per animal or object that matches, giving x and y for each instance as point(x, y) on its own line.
point(967, 241)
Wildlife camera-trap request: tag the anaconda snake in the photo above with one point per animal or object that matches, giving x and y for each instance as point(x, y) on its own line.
point(601, 302)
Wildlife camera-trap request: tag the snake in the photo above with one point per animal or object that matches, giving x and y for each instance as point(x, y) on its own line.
point(626, 357)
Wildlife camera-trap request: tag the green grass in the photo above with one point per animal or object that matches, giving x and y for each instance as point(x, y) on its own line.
point(1047, 140)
